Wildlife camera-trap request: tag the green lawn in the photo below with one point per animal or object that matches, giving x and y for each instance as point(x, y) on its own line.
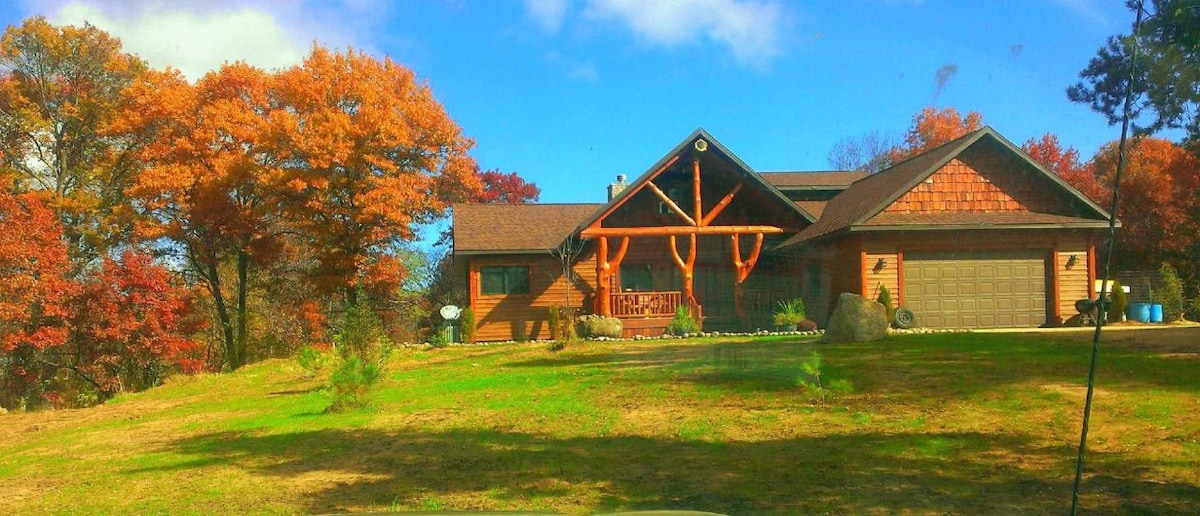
point(945, 423)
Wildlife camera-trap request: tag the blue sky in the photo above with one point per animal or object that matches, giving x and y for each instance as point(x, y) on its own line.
point(569, 93)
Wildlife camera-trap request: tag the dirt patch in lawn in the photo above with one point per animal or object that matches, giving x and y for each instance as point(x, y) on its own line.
point(1162, 339)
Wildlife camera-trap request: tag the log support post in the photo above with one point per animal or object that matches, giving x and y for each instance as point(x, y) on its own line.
point(686, 269)
point(742, 270)
point(696, 193)
point(604, 271)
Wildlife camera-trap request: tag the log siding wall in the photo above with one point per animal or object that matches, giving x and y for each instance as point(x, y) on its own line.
point(516, 316)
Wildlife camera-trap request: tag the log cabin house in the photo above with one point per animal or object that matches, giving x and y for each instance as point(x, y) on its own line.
point(970, 234)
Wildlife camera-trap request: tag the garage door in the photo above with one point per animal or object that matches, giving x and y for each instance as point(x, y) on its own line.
point(976, 290)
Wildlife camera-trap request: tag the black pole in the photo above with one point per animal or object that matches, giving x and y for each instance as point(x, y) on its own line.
point(1104, 283)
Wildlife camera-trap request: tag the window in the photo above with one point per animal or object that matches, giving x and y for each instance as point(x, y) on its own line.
point(814, 279)
point(678, 195)
point(636, 278)
point(511, 279)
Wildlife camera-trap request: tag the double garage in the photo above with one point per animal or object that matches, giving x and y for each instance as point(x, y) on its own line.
point(976, 289)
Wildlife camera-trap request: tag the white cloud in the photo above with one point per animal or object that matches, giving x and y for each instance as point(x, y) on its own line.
point(196, 37)
point(580, 71)
point(750, 29)
point(548, 14)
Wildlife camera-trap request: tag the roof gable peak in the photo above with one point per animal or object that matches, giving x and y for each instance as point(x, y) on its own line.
point(699, 142)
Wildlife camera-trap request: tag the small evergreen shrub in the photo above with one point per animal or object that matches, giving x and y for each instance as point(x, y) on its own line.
point(311, 360)
point(683, 322)
point(361, 333)
point(352, 382)
point(439, 339)
point(1171, 293)
point(467, 319)
point(1120, 301)
point(885, 299)
point(362, 346)
point(810, 381)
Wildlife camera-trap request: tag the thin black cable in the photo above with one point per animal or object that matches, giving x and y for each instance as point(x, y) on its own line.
point(1104, 283)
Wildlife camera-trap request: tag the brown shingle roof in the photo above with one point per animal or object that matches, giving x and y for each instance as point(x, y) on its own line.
point(869, 194)
point(834, 178)
point(512, 228)
point(814, 208)
point(1003, 218)
point(861, 203)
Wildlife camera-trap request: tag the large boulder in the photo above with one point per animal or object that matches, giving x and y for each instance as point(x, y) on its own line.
point(592, 326)
point(856, 319)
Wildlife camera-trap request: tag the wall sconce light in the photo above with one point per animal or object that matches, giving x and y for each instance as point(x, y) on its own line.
point(880, 264)
point(1072, 261)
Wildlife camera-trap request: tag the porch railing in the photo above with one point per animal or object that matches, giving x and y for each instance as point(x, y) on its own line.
point(645, 304)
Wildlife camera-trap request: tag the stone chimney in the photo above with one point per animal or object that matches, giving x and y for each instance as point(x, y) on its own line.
point(616, 188)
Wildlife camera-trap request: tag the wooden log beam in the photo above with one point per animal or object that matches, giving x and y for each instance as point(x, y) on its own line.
point(656, 173)
point(716, 210)
point(670, 203)
point(742, 270)
point(683, 230)
point(696, 189)
point(605, 267)
point(686, 267)
point(603, 303)
point(744, 267)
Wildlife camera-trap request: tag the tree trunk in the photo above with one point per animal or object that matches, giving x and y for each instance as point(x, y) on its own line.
point(214, 286)
point(243, 269)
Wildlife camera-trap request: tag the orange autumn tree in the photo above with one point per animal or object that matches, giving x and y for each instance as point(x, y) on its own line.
point(35, 296)
point(210, 189)
point(59, 89)
point(1065, 163)
point(1160, 204)
point(932, 127)
point(368, 155)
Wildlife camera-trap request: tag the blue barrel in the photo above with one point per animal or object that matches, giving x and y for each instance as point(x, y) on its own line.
point(1139, 312)
point(1156, 314)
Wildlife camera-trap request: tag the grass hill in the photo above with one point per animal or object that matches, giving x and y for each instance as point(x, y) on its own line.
point(959, 423)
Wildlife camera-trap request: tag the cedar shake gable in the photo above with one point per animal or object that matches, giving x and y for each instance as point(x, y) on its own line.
point(938, 189)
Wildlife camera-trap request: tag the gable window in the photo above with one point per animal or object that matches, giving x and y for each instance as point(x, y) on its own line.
point(500, 280)
point(677, 195)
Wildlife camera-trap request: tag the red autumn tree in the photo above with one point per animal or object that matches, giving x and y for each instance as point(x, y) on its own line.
point(369, 155)
point(35, 295)
point(210, 189)
point(1160, 203)
point(131, 327)
point(932, 127)
point(510, 188)
point(1065, 163)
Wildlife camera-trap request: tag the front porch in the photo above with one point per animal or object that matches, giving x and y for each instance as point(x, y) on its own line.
point(644, 273)
point(649, 313)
